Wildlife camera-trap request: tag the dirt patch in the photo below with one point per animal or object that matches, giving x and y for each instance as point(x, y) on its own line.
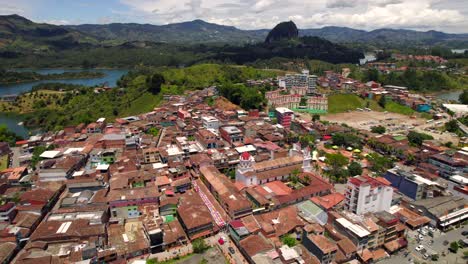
point(225, 105)
point(212, 256)
point(393, 122)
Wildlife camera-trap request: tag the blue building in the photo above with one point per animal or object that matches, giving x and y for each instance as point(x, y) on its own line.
point(423, 107)
point(410, 184)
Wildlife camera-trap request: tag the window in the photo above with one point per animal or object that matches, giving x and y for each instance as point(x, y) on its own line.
point(367, 199)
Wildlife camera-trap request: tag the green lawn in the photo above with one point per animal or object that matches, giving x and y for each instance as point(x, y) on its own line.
point(3, 162)
point(339, 103)
point(398, 108)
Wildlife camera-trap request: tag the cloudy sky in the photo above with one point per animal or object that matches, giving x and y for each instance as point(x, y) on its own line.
point(444, 15)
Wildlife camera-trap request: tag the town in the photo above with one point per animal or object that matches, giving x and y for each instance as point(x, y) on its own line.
point(228, 185)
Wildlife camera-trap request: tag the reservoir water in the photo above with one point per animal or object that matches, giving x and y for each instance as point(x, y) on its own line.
point(111, 77)
point(450, 95)
point(11, 121)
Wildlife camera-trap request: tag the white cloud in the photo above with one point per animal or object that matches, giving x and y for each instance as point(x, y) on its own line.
point(254, 14)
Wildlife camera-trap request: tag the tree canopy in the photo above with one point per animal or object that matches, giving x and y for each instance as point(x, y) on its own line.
point(8, 136)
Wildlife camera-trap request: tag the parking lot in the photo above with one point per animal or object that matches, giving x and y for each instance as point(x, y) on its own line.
point(428, 244)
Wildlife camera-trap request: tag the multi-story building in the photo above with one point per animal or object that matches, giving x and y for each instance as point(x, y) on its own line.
point(231, 134)
point(225, 192)
point(449, 165)
point(300, 80)
point(358, 235)
point(210, 122)
point(7, 212)
point(284, 116)
point(151, 155)
point(366, 194)
point(207, 138)
point(321, 247)
point(410, 184)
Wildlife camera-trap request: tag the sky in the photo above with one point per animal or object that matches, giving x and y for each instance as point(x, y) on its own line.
point(448, 16)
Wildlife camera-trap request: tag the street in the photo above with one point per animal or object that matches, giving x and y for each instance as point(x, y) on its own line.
point(438, 246)
point(236, 258)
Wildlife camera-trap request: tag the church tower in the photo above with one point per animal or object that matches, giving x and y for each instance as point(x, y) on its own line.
point(306, 166)
point(245, 166)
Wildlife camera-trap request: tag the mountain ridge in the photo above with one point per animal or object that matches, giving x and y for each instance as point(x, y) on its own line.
point(20, 33)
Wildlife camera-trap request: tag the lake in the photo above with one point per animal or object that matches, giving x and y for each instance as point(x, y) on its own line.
point(11, 121)
point(111, 77)
point(450, 95)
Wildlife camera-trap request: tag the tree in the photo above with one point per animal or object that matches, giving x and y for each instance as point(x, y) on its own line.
point(199, 246)
point(315, 117)
point(289, 241)
point(8, 136)
point(294, 178)
point(464, 97)
point(153, 131)
point(154, 83)
point(337, 162)
point(452, 126)
point(354, 168)
point(378, 129)
point(454, 246)
point(382, 101)
point(417, 139)
point(379, 163)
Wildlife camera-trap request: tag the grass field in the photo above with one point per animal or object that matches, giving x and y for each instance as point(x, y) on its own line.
point(398, 108)
point(31, 101)
point(339, 103)
point(3, 162)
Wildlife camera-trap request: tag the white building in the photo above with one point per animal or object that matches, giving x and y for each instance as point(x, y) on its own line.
point(210, 122)
point(300, 80)
point(251, 173)
point(366, 194)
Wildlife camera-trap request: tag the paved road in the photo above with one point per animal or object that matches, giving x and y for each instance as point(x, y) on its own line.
point(172, 253)
point(438, 246)
point(237, 257)
point(15, 158)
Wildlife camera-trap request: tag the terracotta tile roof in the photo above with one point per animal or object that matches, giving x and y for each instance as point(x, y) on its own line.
point(255, 244)
point(26, 219)
point(39, 194)
point(325, 245)
point(132, 194)
point(6, 250)
point(328, 201)
point(80, 229)
point(250, 222)
point(282, 221)
point(192, 211)
point(347, 246)
point(173, 232)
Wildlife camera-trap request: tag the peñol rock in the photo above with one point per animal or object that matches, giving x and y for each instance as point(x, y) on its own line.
point(284, 30)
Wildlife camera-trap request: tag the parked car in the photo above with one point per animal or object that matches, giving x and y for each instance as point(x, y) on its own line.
point(231, 250)
point(465, 233)
point(426, 256)
point(419, 248)
point(420, 237)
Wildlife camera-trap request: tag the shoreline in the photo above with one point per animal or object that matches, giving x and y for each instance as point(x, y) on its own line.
point(55, 79)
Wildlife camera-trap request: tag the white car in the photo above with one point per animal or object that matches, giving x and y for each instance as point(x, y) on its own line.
point(420, 237)
point(419, 248)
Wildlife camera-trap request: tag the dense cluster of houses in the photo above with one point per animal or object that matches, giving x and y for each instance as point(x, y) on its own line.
point(113, 191)
point(298, 92)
